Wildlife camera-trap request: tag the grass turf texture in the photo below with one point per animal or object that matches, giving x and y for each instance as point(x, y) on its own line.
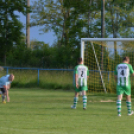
point(33, 111)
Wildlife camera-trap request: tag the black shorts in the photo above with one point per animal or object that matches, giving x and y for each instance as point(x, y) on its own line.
point(3, 90)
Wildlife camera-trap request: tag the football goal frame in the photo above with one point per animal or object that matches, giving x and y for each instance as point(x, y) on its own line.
point(91, 40)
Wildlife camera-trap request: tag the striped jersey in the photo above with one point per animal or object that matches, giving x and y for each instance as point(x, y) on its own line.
point(82, 72)
point(123, 72)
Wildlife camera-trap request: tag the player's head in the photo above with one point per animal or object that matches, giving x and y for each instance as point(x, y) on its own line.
point(11, 77)
point(80, 61)
point(126, 59)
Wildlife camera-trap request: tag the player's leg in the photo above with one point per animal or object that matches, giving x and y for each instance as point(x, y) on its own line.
point(120, 92)
point(0, 93)
point(118, 103)
point(128, 99)
point(128, 102)
point(75, 100)
point(3, 95)
point(84, 99)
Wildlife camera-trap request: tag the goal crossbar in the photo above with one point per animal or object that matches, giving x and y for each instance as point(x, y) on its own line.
point(83, 40)
point(107, 39)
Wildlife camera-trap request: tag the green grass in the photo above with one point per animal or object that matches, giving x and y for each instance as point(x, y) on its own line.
point(37, 111)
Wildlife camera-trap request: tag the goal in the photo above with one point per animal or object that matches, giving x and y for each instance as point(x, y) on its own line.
point(101, 55)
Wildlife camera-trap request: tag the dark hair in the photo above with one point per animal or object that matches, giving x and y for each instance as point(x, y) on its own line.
point(79, 60)
point(126, 58)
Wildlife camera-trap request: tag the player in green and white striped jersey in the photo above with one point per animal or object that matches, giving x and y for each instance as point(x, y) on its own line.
point(122, 76)
point(81, 74)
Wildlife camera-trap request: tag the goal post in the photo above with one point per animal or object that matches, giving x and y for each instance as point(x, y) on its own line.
point(102, 63)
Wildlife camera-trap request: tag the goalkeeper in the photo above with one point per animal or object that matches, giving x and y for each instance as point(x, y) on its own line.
point(5, 83)
point(81, 74)
point(122, 76)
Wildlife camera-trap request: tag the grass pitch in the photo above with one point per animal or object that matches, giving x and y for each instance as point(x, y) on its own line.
point(38, 111)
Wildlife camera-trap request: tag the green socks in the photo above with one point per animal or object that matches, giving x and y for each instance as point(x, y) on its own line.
point(84, 101)
point(118, 106)
point(128, 107)
point(75, 101)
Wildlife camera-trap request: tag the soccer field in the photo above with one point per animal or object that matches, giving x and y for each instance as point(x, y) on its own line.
point(38, 111)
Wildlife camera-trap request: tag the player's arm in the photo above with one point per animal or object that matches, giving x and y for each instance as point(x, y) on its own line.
point(76, 80)
point(8, 98)
point(115, 77)
point(131, 70)
point(87, 73)
point(115, 74)
point(7, 87)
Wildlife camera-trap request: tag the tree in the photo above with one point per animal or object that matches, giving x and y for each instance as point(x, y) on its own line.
point(28, 26)
point(10, 27)
point(49, 14)
point(119, 20)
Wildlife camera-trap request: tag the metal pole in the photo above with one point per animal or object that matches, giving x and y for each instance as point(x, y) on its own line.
point(27, 26)
point(7, 70)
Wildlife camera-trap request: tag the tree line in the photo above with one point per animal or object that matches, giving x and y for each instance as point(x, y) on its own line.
point(69, 20)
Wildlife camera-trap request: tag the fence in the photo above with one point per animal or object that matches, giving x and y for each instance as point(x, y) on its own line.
point(39, 77)
point(52, 78)
point(38, 69)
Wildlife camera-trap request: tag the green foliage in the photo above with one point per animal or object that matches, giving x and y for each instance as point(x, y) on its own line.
point(70, 21)
point(119, 18)
point(10, 26)
point(41, 55)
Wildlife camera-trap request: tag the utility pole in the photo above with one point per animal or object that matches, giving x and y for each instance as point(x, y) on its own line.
point(27, 26)
point(102, 29)
point(102, 18)
point(6, 32)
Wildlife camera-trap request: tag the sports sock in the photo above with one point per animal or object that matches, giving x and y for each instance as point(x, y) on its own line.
point(118, 106)
point(84, 101)
point(3, 97)
point(75, 101)
point(128, 106)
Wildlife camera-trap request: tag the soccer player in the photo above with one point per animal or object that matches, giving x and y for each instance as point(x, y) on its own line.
point(5, 84)
point(122, 76)
point(81, 74)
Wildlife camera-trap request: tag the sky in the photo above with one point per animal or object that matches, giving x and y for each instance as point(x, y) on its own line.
point(48, 38)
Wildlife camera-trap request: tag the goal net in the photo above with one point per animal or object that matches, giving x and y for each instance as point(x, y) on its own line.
point(101, 55)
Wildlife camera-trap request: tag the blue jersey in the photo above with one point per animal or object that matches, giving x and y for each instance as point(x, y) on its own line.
point(4, 81)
